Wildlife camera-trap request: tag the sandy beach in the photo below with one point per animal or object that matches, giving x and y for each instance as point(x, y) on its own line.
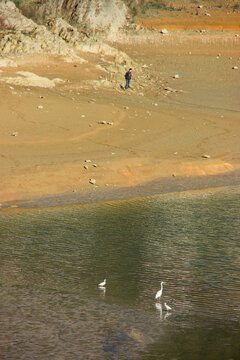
point(56, 135)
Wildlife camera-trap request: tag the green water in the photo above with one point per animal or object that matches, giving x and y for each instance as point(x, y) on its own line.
point(52, 260)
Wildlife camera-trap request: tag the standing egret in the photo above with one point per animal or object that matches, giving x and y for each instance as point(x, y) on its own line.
point(102, 284)
point(167, 307)
point(159, 293)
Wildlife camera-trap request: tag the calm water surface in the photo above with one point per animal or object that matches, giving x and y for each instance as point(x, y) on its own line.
point(52, 260)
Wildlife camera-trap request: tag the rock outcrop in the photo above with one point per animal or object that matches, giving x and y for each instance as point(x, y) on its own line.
point(91, 14)
point(12, 19)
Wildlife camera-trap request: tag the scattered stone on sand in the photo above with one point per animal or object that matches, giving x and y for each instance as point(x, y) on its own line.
point(205, 156)
point(83, 116)
point(176, 76)
point(11, 88)
point(103, 122)
point(175, 153)
point(85, 167)
point(235, 67)
point(164, 31)
point(144, 66)
point(15, 133)
point(207, 14)
point(92, 181)
point(173, 175)
point(90, 125)
point(236, 35)
point(94, 165)
point(110, 123)
point(39, 107)
point(126, 107)
point(88, 161)
point(169, 89)
point(41, 97)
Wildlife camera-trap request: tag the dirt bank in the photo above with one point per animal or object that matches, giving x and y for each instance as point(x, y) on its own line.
point(194, 18)
point(49, 132)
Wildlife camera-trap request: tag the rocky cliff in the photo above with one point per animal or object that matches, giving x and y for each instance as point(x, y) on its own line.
point(19, 35)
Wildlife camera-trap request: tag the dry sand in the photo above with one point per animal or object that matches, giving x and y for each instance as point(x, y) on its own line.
point(159, 135)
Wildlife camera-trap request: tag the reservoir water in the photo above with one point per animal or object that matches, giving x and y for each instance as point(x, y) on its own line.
point(51, 261)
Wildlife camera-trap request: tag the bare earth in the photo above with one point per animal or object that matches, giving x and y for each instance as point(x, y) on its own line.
point(47, 133)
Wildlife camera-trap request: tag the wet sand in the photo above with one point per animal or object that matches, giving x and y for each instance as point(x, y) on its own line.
point(156, 135)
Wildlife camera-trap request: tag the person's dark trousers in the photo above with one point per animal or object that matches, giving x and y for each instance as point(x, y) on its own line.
point(127, 83)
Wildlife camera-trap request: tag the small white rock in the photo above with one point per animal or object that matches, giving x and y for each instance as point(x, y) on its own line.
point(85, 167)
point(15, 133)
point(39, 107)
point(206, 156)
point(94, 165)
point(88, 161)
point(92, 181)
point(164, 31)
point(176, 76)
point(102, 122)
point(126, 107)
point(235, 67)
point(110, 123)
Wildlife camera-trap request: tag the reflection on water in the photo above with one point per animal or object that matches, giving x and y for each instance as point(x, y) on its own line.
point(51, 262)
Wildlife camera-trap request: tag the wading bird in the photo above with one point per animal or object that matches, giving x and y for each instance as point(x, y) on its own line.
point(159, 293)
point(167, 307)
point(102, 284)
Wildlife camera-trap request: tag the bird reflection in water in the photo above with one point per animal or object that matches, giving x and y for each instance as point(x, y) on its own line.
point(159, 308)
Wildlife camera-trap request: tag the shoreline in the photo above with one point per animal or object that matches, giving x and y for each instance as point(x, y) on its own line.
point(160, 186)
point(141, 142)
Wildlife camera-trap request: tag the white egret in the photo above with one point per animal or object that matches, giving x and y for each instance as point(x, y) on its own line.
point(167, 307)
point(159, 293)
point(102, 284)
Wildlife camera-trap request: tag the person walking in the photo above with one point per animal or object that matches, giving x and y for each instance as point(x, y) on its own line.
point(128, 77)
